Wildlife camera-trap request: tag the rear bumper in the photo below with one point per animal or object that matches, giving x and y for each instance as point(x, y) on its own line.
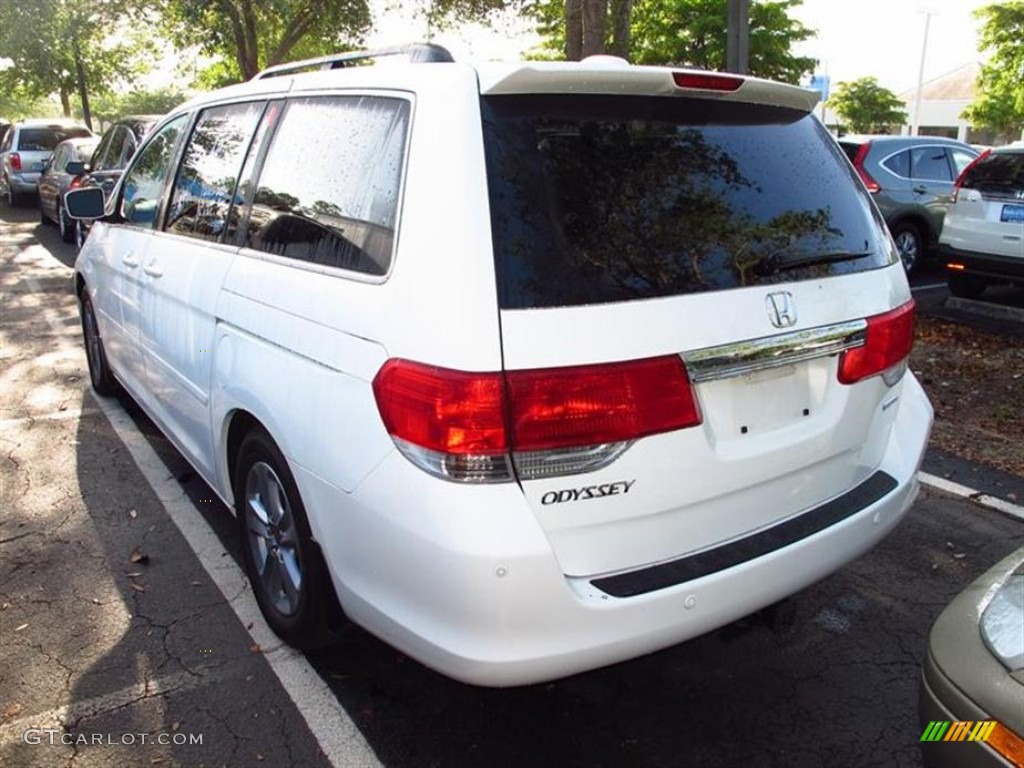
point(483, 600)
point(984, 265)
point(22, 183)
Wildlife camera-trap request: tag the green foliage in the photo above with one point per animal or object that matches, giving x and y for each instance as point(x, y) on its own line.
point(253, 34)
point(693, 33)
point(867, 107)
point(1000, 100)
point(42, 37)
point(110, 107)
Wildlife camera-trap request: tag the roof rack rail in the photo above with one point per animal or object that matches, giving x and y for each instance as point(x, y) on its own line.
point(418, 53)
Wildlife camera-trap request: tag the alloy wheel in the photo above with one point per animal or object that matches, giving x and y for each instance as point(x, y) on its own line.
point(272, 538)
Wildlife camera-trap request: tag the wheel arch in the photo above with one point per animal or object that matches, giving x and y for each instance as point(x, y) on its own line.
point(920, 222)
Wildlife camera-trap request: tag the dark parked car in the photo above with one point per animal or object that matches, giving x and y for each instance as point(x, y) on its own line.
point(55, 180)
point(116, 148)
point(911, 180)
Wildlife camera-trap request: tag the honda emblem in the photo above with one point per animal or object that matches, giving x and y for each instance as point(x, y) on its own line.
point(781, 309)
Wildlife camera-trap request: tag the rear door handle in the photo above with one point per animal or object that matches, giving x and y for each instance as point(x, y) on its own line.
point(130, 261)
point(153, 271)
point(921, 189)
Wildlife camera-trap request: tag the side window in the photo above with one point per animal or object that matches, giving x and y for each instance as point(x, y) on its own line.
point(899, 163)
point(930, 163)
point(328, 191)
point(144, 182)
point(60, 158)
point(206, 181)
point(961, 160)
point(96, 163)
point(127, 150)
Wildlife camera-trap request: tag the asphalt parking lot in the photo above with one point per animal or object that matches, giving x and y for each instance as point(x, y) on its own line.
point(122, 612)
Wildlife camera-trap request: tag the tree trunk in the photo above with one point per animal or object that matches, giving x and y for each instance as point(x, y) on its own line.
point(83, 91)
point(573, 30)
point(622, 12)
point(595, 22)
point(65, 101)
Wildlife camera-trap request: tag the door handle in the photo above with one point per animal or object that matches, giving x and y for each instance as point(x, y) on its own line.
point(920, 189)
point(153, 271)
point(130, 261)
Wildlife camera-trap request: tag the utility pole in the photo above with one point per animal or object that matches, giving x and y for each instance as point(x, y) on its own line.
point(737, 46)
point(915, 124)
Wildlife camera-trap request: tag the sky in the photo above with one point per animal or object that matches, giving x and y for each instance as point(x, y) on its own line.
point(879, 38)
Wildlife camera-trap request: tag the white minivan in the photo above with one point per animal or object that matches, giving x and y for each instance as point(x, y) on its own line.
point(530, 368)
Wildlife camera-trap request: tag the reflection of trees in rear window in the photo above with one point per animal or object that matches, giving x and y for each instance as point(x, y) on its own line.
point(328, 191)
point(596, 200)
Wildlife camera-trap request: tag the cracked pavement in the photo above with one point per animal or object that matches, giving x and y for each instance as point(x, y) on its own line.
point(93, 643)
point(97, 646)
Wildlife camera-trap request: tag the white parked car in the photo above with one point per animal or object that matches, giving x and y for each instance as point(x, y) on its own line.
point(983, 234)
point(532, 367)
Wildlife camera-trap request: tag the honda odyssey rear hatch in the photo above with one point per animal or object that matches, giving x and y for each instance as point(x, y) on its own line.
point(703, 320)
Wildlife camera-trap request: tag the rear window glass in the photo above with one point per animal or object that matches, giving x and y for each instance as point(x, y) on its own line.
point(45, 139)
point(600, 199)
point(1000, 173)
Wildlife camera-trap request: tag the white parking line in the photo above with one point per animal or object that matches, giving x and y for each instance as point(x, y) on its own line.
point(929, 287)
point(962, 491)
point(338, 737)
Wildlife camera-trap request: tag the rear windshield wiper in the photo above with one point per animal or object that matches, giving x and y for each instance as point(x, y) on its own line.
point(771, 265)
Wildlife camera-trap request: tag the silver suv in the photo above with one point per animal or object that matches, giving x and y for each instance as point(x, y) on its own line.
point(910, 179)
point(24, 152)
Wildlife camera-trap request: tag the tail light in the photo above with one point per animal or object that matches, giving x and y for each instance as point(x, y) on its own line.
point(475, 427)
point(858, 164)
point(886, 348)
point(960, 179)
point(75, 183)
point(15, 161)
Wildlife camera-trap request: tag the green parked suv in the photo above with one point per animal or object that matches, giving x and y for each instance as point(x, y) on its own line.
point(911, 180)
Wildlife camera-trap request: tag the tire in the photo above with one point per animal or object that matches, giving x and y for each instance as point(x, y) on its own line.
point(285, 567)
point(99, 370)
point(43, 218)
point(909, 244)
point(80, 235)
point(966, 286)
point(66, 225)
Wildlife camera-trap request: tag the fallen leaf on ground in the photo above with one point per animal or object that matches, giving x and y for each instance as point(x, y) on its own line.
point(138, 556)
point(18, 629)
point(12, 709)
point(138, 587)
point(255, 648)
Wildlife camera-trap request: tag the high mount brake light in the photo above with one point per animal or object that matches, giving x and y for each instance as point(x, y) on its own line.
point(858, 164)
point(889, 338)
point(960, 179)
point(706, 82)
point(470, 426)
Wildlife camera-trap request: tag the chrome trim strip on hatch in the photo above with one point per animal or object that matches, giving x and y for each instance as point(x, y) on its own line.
point(738, 359)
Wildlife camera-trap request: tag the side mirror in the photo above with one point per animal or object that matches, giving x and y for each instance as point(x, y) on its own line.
point(84, 203)
point(77, 167)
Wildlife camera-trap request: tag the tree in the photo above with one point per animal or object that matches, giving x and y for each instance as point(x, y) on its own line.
point(693, 33)
point(253, 34)
point(1000, 100)
point(867, 107)
point(685, 32)
point(66, 47)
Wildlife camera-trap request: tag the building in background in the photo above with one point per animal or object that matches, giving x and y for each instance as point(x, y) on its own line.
point(943, 101)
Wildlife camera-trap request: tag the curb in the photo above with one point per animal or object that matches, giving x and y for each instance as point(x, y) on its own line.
point(985, 309)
